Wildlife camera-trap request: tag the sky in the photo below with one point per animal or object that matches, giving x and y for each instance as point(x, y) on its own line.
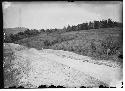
point(43, 15)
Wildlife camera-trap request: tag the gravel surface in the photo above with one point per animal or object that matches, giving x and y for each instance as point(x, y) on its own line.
point(57, 67)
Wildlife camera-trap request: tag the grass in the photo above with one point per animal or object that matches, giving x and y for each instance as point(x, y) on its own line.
point(94, 43)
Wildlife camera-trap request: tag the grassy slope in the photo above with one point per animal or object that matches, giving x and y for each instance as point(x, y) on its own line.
point(84, 42)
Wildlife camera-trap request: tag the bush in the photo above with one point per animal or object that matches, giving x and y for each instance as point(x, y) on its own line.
point(110, 44)
point(47, 43)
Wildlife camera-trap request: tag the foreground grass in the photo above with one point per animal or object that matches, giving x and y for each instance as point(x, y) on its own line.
point(97, 43)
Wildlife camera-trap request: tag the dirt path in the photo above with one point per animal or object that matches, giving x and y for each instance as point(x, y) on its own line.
point(44, 61)
point(104, 73)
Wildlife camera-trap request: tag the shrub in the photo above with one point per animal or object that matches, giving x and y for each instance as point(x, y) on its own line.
point(47, 43)
point(93, 47)
point(110, 44)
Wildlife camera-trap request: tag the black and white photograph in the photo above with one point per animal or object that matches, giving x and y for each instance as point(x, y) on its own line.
point(61, 44)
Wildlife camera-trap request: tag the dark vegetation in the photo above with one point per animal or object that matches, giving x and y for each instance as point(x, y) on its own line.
point(101, 86)
point(14, 87)
point(98, 39)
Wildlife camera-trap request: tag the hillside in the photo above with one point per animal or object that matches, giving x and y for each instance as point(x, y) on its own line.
point(9, 31)
point(93, 43)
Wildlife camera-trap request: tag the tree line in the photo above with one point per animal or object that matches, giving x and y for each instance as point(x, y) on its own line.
point(21, 35)
point(94, 25)
point(84, 26)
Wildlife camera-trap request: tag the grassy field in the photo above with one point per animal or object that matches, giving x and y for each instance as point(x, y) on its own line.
point(103, 43)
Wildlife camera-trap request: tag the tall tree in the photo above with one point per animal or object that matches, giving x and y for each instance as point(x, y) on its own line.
point(96, 24)
point(91, 25)
point(110, 23)
point(69, 28)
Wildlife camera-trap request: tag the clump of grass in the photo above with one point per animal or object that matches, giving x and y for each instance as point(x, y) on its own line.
point(105, 48)
point(99, 49)
point(110, 46)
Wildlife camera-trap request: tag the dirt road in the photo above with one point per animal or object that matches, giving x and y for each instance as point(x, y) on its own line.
point(62, 68)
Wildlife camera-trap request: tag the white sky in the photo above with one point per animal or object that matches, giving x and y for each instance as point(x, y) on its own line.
point(40, 15)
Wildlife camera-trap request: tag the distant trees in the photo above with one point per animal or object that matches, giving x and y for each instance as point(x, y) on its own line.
point(96, 25)
point(110, 23)
point(93, 25)
point(84, 26)
point(42, 30)
point(21, 35)
point(64, 29)
point(69, 28)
